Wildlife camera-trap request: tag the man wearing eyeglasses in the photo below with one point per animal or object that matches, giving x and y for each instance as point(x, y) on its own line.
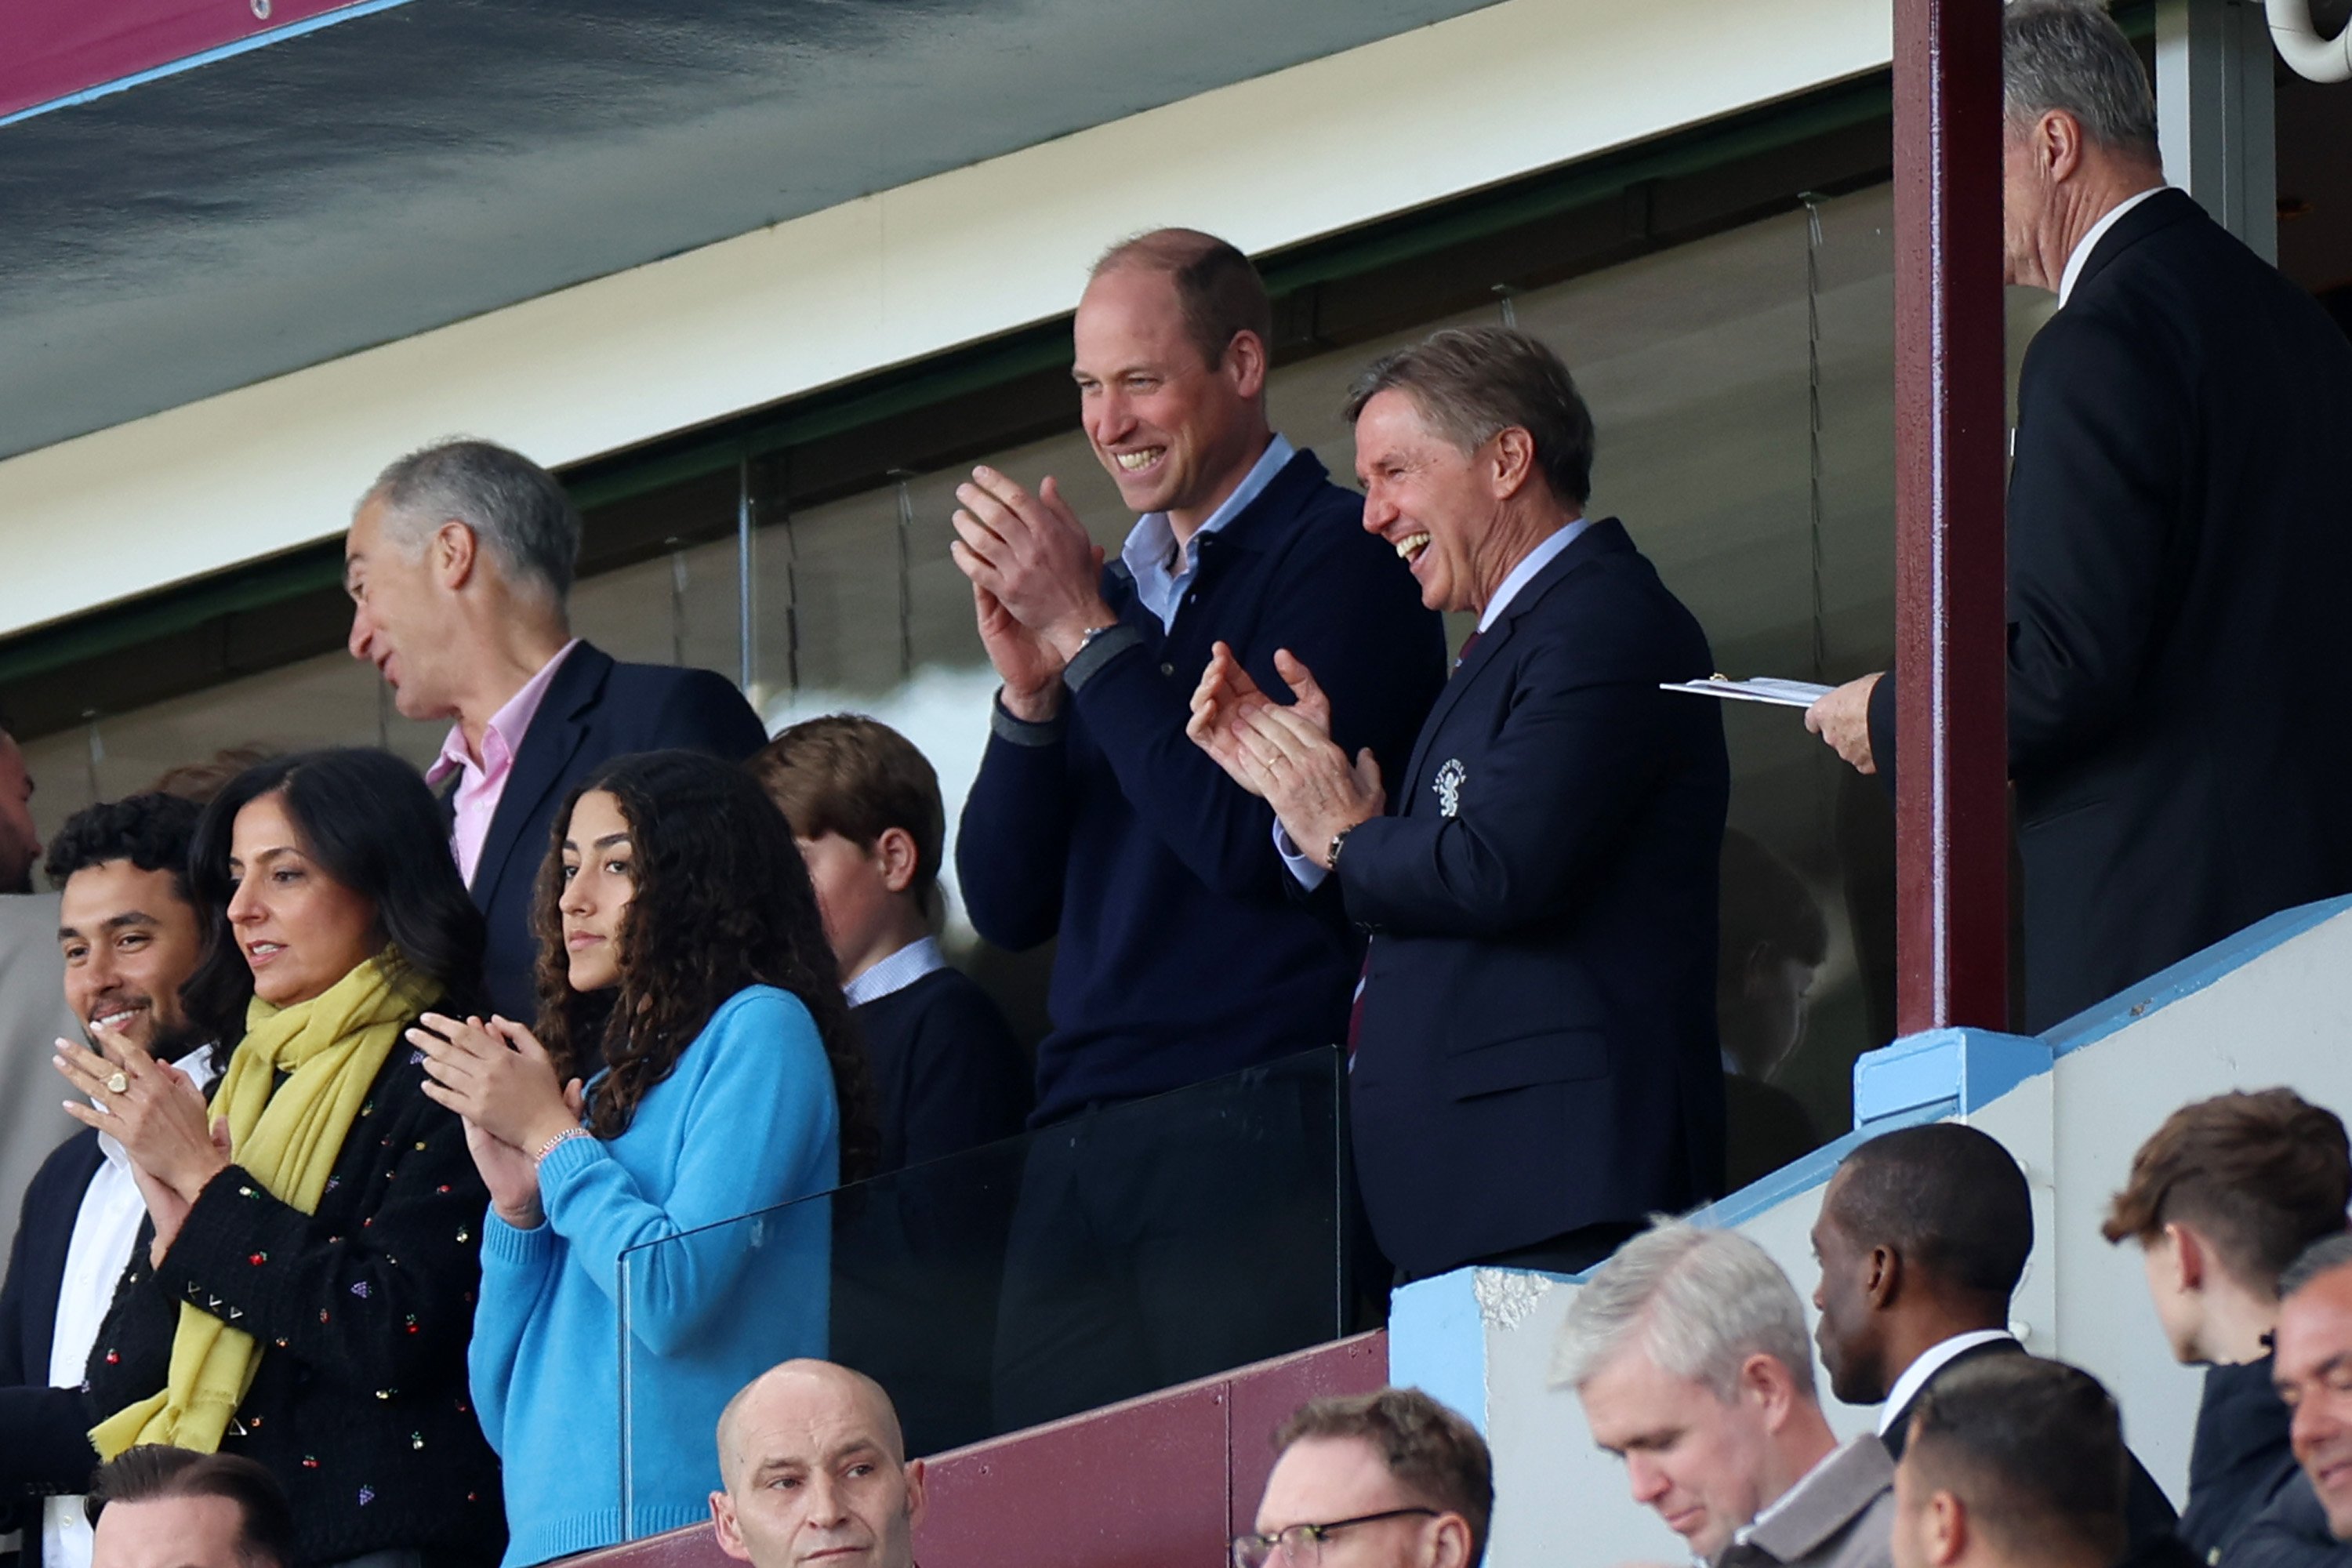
point(1392, 1479)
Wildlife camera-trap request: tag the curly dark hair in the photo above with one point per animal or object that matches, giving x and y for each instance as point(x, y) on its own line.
point(368, 821)
point(151, 831)
point(721, 900)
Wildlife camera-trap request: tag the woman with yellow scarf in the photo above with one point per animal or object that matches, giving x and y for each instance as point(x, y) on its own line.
point(308, 1292)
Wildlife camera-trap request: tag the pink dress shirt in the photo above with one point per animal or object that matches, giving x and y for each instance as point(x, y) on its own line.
point(480, 784)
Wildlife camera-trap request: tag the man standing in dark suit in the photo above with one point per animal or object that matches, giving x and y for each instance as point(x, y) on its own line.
point(1536, 1065)
point(1923, 1236)
point(2179, 543)
point(458, 561)
point(130, 937)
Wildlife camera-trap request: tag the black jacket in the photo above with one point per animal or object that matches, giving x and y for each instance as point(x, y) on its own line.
point(1539, 1050)
point(949, 1075)
point(2180, 541)
point(2241, 1461)
point(2151, 1540)
point(2292, 1532)
point(44, 1447)
point(594, 710)
point(359, 1407)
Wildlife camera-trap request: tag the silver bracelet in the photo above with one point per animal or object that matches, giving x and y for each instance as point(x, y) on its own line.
point(566, 1136)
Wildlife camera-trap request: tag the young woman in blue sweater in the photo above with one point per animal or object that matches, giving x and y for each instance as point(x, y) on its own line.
point(693, 1063)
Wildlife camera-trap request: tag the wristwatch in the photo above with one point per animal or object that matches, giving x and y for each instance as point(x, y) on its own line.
point(1331, 855)
point(1087, 637)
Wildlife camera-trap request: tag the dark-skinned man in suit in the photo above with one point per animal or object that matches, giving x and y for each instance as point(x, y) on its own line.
point(2178, 547)
point(458, 561)
point(1536, 1065)
point(1923, 1236)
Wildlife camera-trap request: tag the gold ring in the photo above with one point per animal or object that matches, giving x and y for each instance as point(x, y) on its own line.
point(118, 1084)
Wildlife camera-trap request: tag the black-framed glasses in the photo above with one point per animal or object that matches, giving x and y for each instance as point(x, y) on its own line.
point(1301, 1545)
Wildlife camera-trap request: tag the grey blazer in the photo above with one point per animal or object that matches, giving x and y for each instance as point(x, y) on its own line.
point(1841, 1515)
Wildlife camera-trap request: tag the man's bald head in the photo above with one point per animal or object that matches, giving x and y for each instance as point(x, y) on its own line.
point(797, 1388)
point(813, 1463)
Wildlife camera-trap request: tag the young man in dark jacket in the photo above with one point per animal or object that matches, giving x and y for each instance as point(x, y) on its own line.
point(2221, 1199)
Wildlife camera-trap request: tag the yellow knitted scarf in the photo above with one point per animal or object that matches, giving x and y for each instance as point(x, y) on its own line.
point(287, 1136)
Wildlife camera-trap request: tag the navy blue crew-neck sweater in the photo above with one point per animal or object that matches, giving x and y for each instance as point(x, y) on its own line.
point(1183, 954)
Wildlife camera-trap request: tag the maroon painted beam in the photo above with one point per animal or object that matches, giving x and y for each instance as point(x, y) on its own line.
point(1952, 766)
point(48, 53)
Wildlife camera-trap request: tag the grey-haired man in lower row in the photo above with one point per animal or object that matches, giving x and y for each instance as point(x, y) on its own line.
point(1688, 1352)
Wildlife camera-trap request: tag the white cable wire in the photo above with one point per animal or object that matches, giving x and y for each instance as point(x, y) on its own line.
point(2300, 44)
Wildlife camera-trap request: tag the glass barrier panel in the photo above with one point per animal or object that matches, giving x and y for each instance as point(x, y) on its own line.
point(1122, 1251)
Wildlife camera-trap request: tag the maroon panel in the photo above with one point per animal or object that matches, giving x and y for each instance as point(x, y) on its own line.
point(50, 51)
point(1264, 1397)
point(1951, 797)
point(1141, 1484)
point(695, 1547)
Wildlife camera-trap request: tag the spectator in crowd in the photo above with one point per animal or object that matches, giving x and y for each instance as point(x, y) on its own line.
point(2227, 1194)
point(31, 1011)
point(917, 1262)
point(814, 1468)
point(1182, 957)
point(459, 562)
point(863, 806)
point(693, 1063)
point(1689, 1355)
point(1774, 940)
point(1922, 1239)
point(155, 1507)
point(1538, 1065)
point(130, 936)
point(2176, 546)
point(1389, 1480)
point(2310, 1522)
point(2012, 1462)
point(308, 1291)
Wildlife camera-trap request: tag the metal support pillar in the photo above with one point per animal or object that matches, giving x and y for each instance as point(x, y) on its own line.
point(1952, 766)
point(2215, 114)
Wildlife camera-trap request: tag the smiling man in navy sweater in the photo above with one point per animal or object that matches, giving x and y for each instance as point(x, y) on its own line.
point(1182, 956)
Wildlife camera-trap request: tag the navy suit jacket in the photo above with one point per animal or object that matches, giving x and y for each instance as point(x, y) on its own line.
point(1538, 1052)
point(594, 710)
point(44, 1443)
point(2180, 539)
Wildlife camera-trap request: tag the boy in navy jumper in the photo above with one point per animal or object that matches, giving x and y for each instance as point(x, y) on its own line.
point(863, 806)
point(1182, 956)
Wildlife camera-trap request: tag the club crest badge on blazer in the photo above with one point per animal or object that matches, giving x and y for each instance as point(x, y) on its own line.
point(1448, 786)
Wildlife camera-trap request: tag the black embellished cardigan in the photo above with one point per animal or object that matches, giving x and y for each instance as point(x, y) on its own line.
point(362, 1310)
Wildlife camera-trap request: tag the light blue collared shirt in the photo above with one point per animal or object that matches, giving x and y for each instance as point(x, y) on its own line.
point(896, 973)
point(1309, 872)
point(1162, 572)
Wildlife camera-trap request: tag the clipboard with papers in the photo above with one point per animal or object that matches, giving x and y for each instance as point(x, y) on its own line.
point(1760, 689)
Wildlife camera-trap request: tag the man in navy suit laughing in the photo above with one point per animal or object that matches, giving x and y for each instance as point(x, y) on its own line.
point(1536, 1064)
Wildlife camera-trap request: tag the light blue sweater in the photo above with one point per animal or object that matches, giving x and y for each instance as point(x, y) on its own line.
point(745, 1122)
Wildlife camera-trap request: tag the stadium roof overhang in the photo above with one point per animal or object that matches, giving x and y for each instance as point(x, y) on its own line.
point(203, 194)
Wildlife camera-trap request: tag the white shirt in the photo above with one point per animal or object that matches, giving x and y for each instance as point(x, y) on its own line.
point(105, 1229)
point(1931, 1361)
point(896, 973)
point(2081, 255)
point(1162, 571)
point(1309, 871)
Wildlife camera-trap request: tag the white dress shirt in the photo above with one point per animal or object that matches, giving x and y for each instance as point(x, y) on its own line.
point(1309, 871)
point(2081, 255)
point(896, 973)
point(105, 1230)
point(1162, 570)
point(1931, 1361)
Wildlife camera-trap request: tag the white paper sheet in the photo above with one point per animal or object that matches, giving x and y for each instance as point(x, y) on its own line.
point(1761, 688)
